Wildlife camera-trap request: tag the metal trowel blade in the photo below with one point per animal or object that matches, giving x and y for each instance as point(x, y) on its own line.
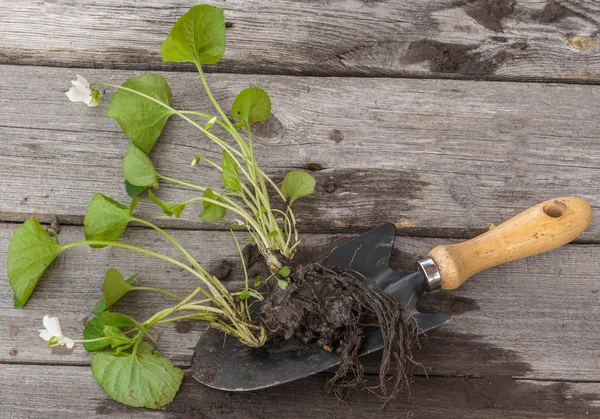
point(222, 362)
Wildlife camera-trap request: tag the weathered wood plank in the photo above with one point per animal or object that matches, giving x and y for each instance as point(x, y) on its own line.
point(436, 157)
point(506, 39)
point(72, 392)
point(533, 319)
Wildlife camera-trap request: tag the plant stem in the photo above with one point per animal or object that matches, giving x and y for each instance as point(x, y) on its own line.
point(147, 252)
point(158, 290)
point(233, 207)
point(175, 242)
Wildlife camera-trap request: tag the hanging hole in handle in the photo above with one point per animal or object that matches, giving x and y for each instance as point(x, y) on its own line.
point(555, 209)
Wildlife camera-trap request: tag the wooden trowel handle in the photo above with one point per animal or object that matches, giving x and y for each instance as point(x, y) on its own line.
point(538, 229)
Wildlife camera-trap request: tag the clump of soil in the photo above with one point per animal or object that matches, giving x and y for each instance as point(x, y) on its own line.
point(332, 307)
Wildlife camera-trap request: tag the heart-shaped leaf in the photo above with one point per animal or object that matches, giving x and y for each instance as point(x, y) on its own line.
point(169, 208)
point(105, 219)
point(111, 318)
point(95, 329)
point(297, 184)
point(115, 286)
point(138, 169)
point(101, 304)
point(230, 173)
point(197, 37)
point(146, 379)
point(252, 105)
point(140, 118)
point(30, 251)
point(212, 212)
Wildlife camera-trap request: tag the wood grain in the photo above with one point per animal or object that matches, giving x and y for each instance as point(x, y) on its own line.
point(504, 39)
point(68, 392)
point(530, 319)
point(436, 157)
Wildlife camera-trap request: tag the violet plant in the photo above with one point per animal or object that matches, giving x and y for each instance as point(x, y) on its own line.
point(129, 369)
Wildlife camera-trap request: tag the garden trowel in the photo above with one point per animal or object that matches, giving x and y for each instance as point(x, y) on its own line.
point(226, 364)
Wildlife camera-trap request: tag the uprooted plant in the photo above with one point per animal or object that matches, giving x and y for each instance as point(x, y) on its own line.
point(314, 302)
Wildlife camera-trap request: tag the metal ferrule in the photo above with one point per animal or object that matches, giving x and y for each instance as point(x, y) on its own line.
point(432, 274)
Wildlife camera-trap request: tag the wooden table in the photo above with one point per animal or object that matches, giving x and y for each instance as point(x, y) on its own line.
point(440, 116)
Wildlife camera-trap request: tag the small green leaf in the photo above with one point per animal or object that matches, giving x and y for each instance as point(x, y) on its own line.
point(284, 272)
point(101, 304)
point(243, 295)
point(105, 219)
point(110, 318)
point(272, 234)
point(212, 212)
point(230, 174)
point(259, 281)
point(138, 169)
point(146, 379)
point(133, 191)
point(210, 123)
point(115, 286)
point(169, 208)
point(30, 251)
point(140, 118)
point(297, 184)
point(282, 283)
point(252, 105)
point(95, 329)
point(197, 37)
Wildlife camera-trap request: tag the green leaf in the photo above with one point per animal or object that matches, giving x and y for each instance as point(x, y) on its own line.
point(297, 184)
point(30, 251)
point(169, 208)
point(121, 342)
point(243, 295)
point(95, 329)
point(134, 191)
point(101, 304)
point(252, 105)
point(212, 212)
point(146, 379)
point(284, 272)
point(140, 118)
point(282, 283)
point(115, 286)
point(110, 318)
point(230, 174)
point(138, 169)
point(105, 219)
point(197, 37)
point(259, 281)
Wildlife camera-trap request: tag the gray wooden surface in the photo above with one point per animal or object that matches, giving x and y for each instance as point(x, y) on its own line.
point(500, 39)
point(429, 147)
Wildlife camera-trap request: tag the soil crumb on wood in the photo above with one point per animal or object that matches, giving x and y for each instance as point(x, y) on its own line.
point(333, 308)
point(222, 271)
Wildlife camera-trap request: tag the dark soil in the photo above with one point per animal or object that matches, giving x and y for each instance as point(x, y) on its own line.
point(333, 308)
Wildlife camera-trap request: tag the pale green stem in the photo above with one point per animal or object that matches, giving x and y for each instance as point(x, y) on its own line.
point(176, 297)
point(233, 207)
point(147, 252)
point(237, 243)
point(175, 242)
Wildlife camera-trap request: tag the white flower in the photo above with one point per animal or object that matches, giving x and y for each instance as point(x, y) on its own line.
point(82, 92)
point(52, 329)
